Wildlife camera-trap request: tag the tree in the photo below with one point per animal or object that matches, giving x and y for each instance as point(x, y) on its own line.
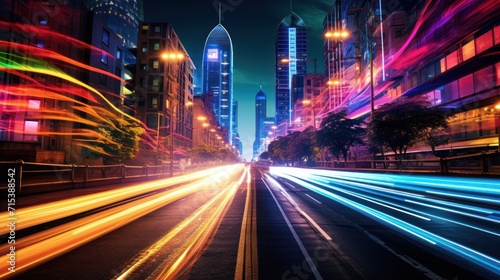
point(303, 145)
point(401, 124)
point(338, 133)
point(278, 149)
point(119, 140)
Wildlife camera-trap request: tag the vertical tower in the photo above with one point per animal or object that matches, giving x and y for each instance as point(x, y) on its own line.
point(291, 59)
point(122, 16)
point(260, 115)
point(217, 77)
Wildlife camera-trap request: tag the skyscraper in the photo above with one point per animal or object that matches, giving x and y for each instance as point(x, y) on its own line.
point(260, 115)
point(122, 16)
point(217, 77)
point(291, 59)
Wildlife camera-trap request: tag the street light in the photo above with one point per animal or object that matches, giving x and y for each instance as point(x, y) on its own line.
point(309, 102)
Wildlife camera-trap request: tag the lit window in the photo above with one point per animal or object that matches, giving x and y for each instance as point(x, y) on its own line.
point(144, 47)
point(156, 64)
point(118, 54)
point(104, 58)
point(105, 37)
point(484, 42)
point(468, 50)
point(442, 63)
point(497, 34)
point(34, 104)
point(451, 60)
point(30, 128)
point(156, 46)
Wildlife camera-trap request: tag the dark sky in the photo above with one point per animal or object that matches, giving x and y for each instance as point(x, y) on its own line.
point(252, 25)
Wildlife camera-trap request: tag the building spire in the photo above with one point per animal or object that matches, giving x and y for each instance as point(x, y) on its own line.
point(220, 12)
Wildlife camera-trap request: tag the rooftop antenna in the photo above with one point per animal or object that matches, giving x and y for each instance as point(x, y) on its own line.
point(220, 11)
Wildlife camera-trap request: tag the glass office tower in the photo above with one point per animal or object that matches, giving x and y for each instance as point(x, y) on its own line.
point(291, 59)
point(217, 77)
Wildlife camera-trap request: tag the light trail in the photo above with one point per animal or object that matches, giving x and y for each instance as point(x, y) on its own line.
point(190, 249)
point(39, 214)
point(345, 188)
point(44, 246)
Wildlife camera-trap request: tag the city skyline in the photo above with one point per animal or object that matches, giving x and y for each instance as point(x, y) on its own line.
point(252, 26)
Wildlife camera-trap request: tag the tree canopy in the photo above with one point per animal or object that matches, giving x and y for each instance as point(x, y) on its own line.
point(338, 133)
point(401, 124)
point(119, 139)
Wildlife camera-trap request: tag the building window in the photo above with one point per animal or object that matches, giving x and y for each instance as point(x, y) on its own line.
point(156, 46)
point(466, 85)
point(104, 58)
point(451, 60)
point(34, 104)
point(153, 102)
point(497, 70)
point(145, 29)
point(484, 41)
point(30, 130)
point(103, 79)
point(105, 37)
point(144, 47)
point(156, 84)
point(484, 79)
point(157, 29)
point(468, 50)
point(156, 64)
point(152, 121)
point(119, 54)
point(496, 32)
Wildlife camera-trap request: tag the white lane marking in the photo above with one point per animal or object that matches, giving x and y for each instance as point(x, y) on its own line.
point(311, 264)
point(315, 200)
point(296, 206)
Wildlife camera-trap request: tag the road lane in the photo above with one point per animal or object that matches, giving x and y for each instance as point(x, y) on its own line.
point(436, 255)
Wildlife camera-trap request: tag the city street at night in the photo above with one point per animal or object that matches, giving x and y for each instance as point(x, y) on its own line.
point(250, 139)
point(246, 222)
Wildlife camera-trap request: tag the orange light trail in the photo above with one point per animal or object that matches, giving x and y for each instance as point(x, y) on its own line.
point(191, 249)
point(46, 245)
point(39, 214)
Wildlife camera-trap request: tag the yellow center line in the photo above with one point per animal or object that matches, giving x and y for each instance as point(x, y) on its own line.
point(247, 259)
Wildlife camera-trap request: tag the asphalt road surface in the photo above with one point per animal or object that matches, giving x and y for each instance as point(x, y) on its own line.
point(244, 222)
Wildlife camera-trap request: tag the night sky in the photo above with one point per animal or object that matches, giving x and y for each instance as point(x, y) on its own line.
point(252, 25)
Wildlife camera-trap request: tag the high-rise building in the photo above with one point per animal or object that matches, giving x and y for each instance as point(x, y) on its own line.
point(164, 91)
point(122, 16)
point(291, 59)
point(260, 115)
point(217, 77)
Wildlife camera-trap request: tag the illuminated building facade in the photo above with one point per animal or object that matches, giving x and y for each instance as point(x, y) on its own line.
point(165, 86)
point(217, 78)
point(71, 77)
point(122, 16)
point(450, 60)
point(291, 59)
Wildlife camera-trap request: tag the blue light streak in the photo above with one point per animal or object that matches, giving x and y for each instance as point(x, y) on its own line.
point(414, 191)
